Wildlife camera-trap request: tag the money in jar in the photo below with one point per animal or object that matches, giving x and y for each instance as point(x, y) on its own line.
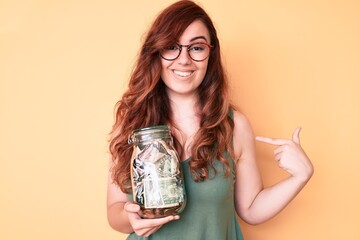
point(156, 174)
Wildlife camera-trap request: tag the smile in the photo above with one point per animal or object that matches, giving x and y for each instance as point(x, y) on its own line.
point(182, 74)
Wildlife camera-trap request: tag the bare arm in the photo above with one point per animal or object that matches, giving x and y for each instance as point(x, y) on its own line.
point(117, 216)
point(254, 203)
point(123, 215)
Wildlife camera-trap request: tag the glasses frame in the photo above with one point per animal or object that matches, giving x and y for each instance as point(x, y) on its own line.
point(188, 51)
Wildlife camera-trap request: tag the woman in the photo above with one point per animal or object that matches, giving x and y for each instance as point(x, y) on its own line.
point(179, 81)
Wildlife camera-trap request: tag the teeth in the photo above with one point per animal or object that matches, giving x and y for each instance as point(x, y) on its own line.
point(182, 74)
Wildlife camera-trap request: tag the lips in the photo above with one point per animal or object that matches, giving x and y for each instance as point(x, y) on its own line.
point(183, 73)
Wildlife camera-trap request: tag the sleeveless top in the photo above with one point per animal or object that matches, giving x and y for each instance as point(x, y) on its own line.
point(209, 213)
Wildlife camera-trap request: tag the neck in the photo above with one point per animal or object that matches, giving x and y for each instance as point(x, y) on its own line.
point(186, 121)
point(183, 106)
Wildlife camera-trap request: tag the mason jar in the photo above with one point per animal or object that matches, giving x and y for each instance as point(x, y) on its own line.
point(156, 173)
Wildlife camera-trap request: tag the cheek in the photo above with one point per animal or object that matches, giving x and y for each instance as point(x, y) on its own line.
point(164, 67)
point(203, 68)
point(165, 64)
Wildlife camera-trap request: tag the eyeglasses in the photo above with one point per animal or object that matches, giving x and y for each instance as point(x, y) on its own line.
point(198, 51)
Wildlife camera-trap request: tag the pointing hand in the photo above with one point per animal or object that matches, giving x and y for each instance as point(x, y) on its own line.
point(290, 155)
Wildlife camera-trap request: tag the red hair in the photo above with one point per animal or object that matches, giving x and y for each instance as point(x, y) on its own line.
point(146, 103)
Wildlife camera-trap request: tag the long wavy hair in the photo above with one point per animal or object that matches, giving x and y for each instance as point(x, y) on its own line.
point(146, 102)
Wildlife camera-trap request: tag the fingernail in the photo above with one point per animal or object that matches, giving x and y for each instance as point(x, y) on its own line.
point(136, 207)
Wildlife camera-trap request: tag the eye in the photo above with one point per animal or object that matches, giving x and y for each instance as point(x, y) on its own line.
point(172, 48)
point(197, 47)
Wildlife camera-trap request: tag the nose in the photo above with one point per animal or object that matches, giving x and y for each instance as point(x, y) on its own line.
point(184, 57)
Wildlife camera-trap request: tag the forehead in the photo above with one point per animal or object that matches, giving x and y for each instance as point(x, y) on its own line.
point(195, 30)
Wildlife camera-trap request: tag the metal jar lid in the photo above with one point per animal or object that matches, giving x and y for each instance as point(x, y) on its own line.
point(149, 133)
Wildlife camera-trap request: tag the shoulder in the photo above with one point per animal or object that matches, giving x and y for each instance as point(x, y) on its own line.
point(243, 135)
point(239, 118)
point(242, 124)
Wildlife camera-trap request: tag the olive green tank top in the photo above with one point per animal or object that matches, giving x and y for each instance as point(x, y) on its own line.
point(209, 213)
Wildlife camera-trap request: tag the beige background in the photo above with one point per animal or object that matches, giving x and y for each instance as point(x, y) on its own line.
point(64, 64)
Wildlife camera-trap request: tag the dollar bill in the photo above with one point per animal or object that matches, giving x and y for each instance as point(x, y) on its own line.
point(162, 193)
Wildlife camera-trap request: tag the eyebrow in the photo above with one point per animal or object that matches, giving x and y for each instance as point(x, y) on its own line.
point(198, 37)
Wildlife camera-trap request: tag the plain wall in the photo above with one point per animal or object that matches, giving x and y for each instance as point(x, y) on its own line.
point(64, 64)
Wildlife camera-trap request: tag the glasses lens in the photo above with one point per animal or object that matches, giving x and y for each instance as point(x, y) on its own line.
point(199, 51)
point(171, 53)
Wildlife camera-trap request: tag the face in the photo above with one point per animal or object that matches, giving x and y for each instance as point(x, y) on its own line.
point(183, 75)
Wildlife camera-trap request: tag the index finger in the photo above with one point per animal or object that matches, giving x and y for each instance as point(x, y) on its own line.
point(272, 141)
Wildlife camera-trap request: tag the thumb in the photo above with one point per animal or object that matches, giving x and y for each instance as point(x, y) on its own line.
point(131, 207)
point(296, 137)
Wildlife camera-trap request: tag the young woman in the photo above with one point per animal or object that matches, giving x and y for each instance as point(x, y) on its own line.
point(179, 81)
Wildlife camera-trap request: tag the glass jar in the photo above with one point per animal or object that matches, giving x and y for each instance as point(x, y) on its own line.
point(156, 174)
